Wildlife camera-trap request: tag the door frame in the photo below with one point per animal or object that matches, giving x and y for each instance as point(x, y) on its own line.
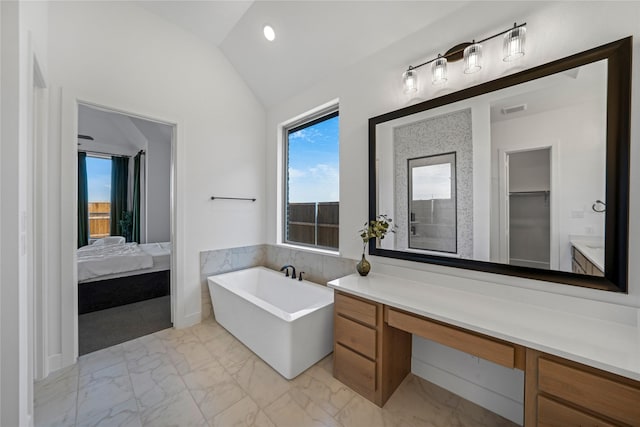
point(70, 101)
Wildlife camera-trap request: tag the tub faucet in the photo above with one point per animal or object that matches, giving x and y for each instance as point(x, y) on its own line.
point(285, 268)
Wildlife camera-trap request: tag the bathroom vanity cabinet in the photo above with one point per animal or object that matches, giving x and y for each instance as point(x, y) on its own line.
point(372, 343)
point(581, 264)
point(370, 356)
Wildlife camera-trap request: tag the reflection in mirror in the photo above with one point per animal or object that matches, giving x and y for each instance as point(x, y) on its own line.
point(508, 177)
point(432, 203)
point(548, 152)
point(540, 181)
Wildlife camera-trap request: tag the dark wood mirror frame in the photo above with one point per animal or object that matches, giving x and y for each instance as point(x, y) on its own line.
point(618, 56)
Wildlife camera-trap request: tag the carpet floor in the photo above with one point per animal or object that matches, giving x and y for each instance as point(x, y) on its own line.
point(105, 328)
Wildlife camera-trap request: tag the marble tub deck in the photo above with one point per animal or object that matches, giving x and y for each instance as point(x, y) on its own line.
point(203, 376)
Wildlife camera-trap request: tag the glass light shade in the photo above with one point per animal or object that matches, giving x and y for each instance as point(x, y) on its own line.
point(439, 71)
point(513, 47)
point(410, 81)
point(472, 58)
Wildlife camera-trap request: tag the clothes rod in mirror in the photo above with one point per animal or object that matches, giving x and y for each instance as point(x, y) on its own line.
point(513, 48)
point(233, 198)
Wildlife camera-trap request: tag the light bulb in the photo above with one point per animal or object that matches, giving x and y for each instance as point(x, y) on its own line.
point(269, 33)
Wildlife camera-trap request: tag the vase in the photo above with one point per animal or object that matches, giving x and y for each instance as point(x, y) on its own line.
point(363, 266)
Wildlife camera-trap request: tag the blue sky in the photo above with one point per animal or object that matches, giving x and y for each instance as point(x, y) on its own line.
point(99, 179)
point(313, 163)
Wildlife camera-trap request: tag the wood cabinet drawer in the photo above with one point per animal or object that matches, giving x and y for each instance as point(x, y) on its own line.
point(355, 370)
point(576, 267)
point(595, 271)
point(614, 399)
point(580, 259)
point(483, 347)
point(356, 336)
point(554, 414)
point(356, 309)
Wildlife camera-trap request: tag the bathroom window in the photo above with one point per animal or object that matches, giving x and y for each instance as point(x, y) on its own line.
point(311, 188)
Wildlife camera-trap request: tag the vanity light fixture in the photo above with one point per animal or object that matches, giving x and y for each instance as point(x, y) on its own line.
point(269, 33)
point(513, 48)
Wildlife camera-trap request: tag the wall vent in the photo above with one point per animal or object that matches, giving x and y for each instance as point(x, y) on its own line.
point(514, 109)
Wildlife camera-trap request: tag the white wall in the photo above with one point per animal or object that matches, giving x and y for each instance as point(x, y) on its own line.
point(372, 87)
point(23, 41)
point(158, 183)
point(118, 55)
point(9, 202)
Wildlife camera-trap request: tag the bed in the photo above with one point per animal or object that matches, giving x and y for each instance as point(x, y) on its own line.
point(113, 273)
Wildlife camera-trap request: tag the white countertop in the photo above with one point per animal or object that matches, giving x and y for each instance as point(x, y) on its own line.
point(593, 252)
point(607, 345)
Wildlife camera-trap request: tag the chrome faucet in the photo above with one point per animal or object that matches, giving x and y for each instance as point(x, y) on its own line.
point(285, 268)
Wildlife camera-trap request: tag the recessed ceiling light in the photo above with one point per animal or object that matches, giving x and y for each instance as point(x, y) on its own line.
point(269, 33)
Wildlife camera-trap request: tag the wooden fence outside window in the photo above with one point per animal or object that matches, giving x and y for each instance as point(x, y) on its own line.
point(99, 219)
point(314, 224)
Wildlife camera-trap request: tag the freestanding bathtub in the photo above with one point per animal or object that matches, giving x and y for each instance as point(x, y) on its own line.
point(287, 322)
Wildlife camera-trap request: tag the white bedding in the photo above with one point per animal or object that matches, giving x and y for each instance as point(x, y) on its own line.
point(96, 261)
point(161, 253)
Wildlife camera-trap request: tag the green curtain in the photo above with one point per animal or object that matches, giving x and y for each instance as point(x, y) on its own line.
point(83, 201)
point(119, 183)
point(135, 229)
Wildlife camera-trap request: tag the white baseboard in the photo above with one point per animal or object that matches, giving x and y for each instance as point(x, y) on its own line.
point(55, 363)
point(188, 320)
point(489, 399)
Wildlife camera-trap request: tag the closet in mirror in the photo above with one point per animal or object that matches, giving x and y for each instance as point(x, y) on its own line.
point(526, 175)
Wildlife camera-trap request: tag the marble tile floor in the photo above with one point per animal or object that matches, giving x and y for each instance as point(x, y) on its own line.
point(203, 376)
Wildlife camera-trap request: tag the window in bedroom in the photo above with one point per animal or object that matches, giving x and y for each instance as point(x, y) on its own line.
point(311, 202)
point(99, 186)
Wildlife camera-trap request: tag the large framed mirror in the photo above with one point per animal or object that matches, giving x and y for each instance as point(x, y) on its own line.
point(526, 175)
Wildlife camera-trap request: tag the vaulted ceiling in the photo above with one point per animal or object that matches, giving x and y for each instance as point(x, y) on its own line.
point(314, 39)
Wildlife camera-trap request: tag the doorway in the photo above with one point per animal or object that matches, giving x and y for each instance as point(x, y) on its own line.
point(528, 206)
point(124, 254)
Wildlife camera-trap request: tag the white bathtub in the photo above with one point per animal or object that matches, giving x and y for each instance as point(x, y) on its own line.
point(288, 323)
